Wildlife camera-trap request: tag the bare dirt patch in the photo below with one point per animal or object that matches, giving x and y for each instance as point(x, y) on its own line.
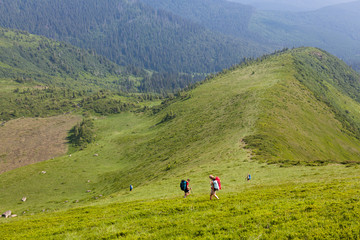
point(26, 141)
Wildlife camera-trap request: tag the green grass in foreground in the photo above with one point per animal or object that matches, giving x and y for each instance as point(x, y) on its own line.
point(329, 210)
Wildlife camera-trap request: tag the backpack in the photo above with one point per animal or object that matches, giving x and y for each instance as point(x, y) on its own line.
point(218, 180)
point(183, 185)
point(216, 185)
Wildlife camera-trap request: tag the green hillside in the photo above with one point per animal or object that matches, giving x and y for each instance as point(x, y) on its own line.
point(30, 59)
point(271, 110)
point(322, 88)
point(27, 58)
point(42, 77)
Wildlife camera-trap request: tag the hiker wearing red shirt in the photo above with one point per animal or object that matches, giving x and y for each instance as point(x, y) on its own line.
point(184, 185)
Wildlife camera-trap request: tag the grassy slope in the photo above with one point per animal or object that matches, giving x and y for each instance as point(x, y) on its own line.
point(204, 138)
point(39, 60)
point(287, 211)
point(134, 144)
point(286, 130)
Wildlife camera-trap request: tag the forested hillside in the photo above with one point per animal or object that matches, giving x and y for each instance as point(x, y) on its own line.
point(41, 77)
point(129, 33)
point(217, 15)
point(27, 58)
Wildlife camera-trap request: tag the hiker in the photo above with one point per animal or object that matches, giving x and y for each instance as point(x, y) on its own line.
point(214, 183)
point(184, 185)
point(131, 188)
point(248, 177)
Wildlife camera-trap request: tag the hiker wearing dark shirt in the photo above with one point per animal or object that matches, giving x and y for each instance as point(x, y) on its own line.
point(187, 189)
point(248, 177)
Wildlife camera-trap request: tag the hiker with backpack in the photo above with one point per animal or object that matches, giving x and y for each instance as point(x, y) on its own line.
point(215, 186)
point(184, 186)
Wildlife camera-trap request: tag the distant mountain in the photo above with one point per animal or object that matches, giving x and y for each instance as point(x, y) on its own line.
point(189, 37)
point(335, 29)
point(128, 32)
point(294, 6)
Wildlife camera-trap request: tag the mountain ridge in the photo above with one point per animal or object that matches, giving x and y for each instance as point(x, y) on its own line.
point(309, 64)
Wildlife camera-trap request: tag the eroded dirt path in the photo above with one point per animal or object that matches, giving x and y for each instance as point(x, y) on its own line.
point(26, 141)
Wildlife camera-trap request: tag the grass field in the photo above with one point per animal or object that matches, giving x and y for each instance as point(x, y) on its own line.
point(310, 191)
point(278, 203)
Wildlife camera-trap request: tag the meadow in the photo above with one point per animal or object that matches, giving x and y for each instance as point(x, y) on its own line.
point(257, 119)
point(278, 203)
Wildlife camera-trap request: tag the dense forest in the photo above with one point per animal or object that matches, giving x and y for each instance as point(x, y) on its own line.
point(129, 33)
point(216, 15)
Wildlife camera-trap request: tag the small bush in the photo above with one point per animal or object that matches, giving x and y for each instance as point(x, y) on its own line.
point(168, 117)
point(82, 134)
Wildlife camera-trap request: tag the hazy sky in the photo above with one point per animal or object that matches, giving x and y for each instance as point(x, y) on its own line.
point(292, 5)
